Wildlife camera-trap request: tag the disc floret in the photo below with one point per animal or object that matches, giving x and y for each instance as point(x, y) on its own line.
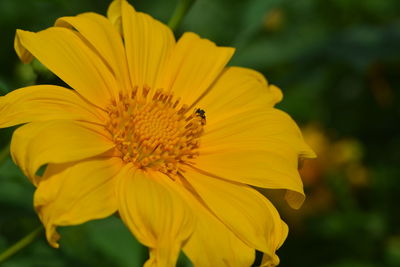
point(155, 133)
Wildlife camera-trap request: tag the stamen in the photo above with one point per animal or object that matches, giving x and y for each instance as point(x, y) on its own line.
point(153, 133)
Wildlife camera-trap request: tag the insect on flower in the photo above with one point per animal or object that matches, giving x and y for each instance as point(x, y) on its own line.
point(202, 114)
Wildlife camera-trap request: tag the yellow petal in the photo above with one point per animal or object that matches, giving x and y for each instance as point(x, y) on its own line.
point(187, 68)
point(194, 66)
point(24, 55)
point(105, 39)
point(239, 89)
point(212, 243)
point(241, 122)
point(38, 143)
point(114, 14)
point(155, 214)
point(74, 193)
point(254, 128)
point(256, 147)
point(66, 55)
point(45, 102)
point(269, 260)
point(242, 209)
point(148, 43)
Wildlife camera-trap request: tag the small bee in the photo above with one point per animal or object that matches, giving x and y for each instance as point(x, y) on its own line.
point(202, 114)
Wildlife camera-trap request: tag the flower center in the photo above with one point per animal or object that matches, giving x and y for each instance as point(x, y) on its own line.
point(153, 133)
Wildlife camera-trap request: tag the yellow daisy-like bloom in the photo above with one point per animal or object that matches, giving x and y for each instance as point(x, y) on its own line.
point(159, 131)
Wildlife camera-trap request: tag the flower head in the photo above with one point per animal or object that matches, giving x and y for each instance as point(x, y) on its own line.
point(159, 131)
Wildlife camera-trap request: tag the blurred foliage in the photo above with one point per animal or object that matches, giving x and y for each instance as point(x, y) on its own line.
point(338, 64)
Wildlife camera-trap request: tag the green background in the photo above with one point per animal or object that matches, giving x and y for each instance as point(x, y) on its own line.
point(338, 64)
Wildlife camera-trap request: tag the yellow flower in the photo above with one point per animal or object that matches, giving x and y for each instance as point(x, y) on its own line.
point(158, 130)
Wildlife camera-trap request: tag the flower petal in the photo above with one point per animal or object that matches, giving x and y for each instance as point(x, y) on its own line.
point(148, 43)
point(273, 260)
point(187, 68)
point(66, 54)
point(239, 89)
point(155, 214)
point(256, 147)
point(242, 209)
point(241, 121)
point(105, 40)
point(114, 14)
point(253, 127)
point(38, 143)
point(194, 65)
point(74, 193)
point(45, 102)
point(212, 243)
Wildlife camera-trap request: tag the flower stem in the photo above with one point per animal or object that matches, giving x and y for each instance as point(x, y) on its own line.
point(4, 153)
point(20, 244)
point(180, 11)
